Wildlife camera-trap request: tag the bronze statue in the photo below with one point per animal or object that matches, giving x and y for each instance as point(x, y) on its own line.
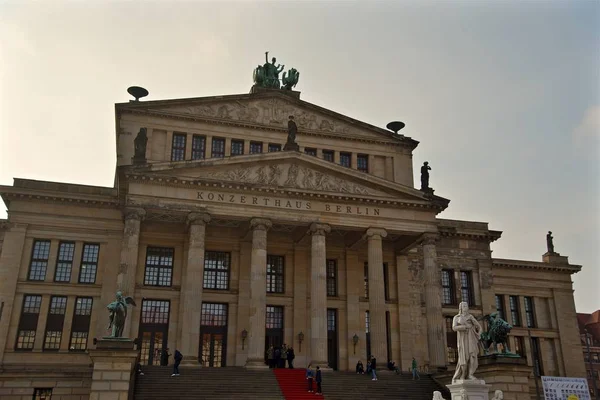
point(425, 176)
point(550, 242)
point(267, 75)
point(291, 79)
point(291, 144)
point(139, 145)
point(272, 72)
point(498, 330)
point(118, 314)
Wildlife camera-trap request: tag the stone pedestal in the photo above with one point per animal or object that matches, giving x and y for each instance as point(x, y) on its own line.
point(555, 258)
point(469, 390)
point(114, 362)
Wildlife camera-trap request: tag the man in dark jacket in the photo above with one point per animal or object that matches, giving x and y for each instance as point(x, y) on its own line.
point(164, 357)
point(290, 357)
point(318, 378)
point(373, 367)
point(178, 358)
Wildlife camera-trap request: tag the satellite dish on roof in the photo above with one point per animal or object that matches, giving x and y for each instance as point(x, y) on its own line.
point(395, 126)
point(137, 92)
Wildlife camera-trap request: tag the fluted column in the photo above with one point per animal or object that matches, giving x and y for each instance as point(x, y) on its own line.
point(318, 295)
point(377, 295)
point(433, 304)
point(191, 289)
point(129, 256)
point(258, 293)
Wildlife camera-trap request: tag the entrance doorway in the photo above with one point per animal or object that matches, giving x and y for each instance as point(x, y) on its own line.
point(332, 338)
point(154, 328)
point(213, 335)
point(273, 328)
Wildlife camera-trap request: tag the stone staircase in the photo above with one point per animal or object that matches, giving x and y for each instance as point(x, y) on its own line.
point(206, 383)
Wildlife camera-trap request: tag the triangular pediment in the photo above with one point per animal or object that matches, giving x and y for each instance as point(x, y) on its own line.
point(289, 171)
point(269, 109)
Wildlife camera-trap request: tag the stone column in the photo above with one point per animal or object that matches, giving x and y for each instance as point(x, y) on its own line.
point(433, 304)
point(258, 293)
point(129, 256)
point(191, 289)
point(377, 295)
point(318, 295)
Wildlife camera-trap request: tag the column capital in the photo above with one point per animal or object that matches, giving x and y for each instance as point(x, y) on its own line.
point(136, 213)
point(429, 238)
point(261, 224)
point(319, 229)
point(373, 232)
point(198, 218)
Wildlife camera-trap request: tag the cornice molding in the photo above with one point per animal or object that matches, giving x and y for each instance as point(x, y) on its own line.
point(484, 236)
point(56, 198)
point(517, 264)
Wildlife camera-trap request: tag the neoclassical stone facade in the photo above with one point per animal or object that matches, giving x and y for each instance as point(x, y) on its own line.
point(228, 245)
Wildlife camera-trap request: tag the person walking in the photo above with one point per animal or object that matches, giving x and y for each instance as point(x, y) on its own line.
point(309, 378)
point(178, 358)
point(415, 371)
point(373, 368)
point(319, 378)
point(290, 357)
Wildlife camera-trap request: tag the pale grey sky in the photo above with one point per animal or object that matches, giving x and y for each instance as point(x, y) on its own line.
point(503, 95)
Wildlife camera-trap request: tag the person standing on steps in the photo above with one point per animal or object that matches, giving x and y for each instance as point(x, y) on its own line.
point(164, 357)
point(309, 378)
point(373, 368)
point(270, 356)
point(415, 371)
point(178, 358)
point(319, 379)
point(290, 357)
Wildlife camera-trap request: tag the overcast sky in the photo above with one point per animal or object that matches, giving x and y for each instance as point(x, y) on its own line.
point(503, 96)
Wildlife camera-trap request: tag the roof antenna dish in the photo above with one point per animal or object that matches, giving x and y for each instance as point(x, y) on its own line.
point(395, 126)
point(137, 92)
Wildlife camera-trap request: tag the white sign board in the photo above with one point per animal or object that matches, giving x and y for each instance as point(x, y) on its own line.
point(560, 388)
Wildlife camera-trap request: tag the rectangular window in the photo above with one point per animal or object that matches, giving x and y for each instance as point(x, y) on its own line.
point(218, 148)
point(367, 333)
point(362, 162)
point(367, 321)
point(386, 282)
point(159, 266)
point(155, 311)
point(42, 394)
point(500, 306)
point(214, 314)
point(466, 287)
point(54, 323)
point(256, 147)
point(64, 263)
point(346, 160)
point(237, 147)
point(273, 147)
point(198, 147)
point(178, 149)
point(331, 319)
point(537, 356)
point(310, 151)
point(452, 342)
point(529, 312)
point(274, 318)
point(328, 155)
point(513, 302)
point(28, 322)
point(89, 263)
point(519, 346)
point(275, 278)
point(366, 279)
point(332, 278)
point(39, 260)
point(447, 287)
point(216, 270)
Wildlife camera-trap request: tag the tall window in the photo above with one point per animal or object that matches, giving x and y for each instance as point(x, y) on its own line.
point(537, 356)
point(362, 162)
point(39, 260)
point(386, 282)
point(237, 147)
point(159, 266)
point(28, 322)
point(273, 147)
point(452, 341)
point(64, 263)
point(520, 346)
point(274, 318)
point(466, 287)
point(310, 151)
point(214, 314)
point(275, 279)
point(513, 302)
point(155, 311)
point(256, 147)
point(198, 147)
point(447, 287)
point(80, 327)
point(500, 306)
point(529, 313)
point(54, 324)
point(328, 155)
point(42, 394)
point(216, 270)
point(218, 148)
point(89, 263)
point(332, 278)
point(346, 160)
point(368, 333)
point(178, 148)
point(366, 279)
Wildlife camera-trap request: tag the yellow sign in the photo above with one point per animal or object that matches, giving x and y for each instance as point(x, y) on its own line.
point(572, 397)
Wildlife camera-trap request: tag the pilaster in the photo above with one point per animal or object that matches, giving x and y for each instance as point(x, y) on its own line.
point(377, 294)
point(318, 295)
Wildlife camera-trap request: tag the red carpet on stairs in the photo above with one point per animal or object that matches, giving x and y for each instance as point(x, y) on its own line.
point(293, 384)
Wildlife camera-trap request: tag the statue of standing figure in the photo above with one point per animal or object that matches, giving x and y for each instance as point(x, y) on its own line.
point(425, 176)
point(139, 146)
point(272, 72)
point(118, 314)
point(468, 331)
point(550, 242)
point(291, 144)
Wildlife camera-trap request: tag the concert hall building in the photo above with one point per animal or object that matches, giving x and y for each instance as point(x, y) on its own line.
point(228, 244)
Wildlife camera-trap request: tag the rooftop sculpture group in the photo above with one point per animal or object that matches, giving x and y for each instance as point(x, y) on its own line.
point(267, 75)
